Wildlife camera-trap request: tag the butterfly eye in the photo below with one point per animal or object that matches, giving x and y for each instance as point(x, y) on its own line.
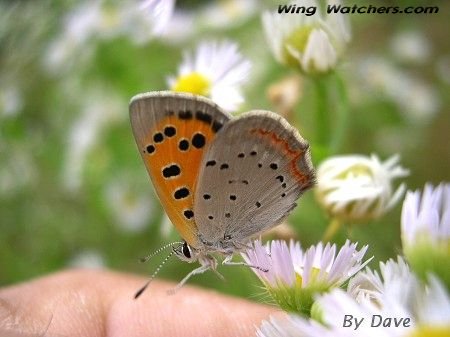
point(186, 250)
point(227, 237)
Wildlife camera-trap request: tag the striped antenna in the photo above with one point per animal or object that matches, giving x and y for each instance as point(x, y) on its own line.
point(140, 291)
point(148, 257)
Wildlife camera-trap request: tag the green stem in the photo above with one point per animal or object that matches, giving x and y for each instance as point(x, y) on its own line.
point(342, 114)
point(322, 118)
point(333, 227)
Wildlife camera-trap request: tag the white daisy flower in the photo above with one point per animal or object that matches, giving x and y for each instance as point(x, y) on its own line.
point(310, 41)
point(294, 276)
point(425, 230)
point(357, 188)
point(216, 70)
point(394, 279)
point(428, 315)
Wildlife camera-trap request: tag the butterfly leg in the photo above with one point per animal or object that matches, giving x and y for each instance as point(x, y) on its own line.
point(227, 262)
point(196, 271)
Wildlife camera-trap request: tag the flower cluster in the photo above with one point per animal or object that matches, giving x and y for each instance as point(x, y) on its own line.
point(393, 302)
point(295, 276)
point(420, 309)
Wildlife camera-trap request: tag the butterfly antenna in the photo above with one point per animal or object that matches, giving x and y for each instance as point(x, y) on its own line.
point(140, 291)
point(148, 257)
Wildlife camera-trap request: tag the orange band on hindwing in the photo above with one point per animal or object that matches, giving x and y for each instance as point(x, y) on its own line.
point(293, 155)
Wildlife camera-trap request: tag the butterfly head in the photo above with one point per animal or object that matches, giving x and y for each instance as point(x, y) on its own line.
point(185, 252)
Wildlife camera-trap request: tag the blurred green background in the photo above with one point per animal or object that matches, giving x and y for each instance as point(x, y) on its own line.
point(73, 188)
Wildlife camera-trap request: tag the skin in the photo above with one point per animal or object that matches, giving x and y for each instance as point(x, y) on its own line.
point(92, 303)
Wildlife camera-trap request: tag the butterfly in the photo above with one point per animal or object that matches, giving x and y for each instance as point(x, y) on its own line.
point(221, 180)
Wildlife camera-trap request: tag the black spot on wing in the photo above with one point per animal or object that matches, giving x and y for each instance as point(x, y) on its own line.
point(158, 137)
point(188, 214)
point(170, 131)
point(171, 171)
point(198, 140)
point(203, 116)
point(216, 126)
point(181, 193)
point(150, 149)
point(183, 145)
point(185, 114)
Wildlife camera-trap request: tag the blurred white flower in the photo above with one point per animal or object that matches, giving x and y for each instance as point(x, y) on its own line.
point(96, 19)
point(418, 101)
point(11, 100)
point(228, 13)
point(160, 12)
point(425, 231)
point(411, 46)
point(428, 315)
point(217, 70)
point(78, 27)
point(131, 209)
point(294, 276)
point(90, 259)
point(183, 26)
point(357, 188)
point(311, 42)
point(100, 109)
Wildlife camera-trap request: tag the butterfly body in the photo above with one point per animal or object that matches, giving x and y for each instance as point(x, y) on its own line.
point(221, 180)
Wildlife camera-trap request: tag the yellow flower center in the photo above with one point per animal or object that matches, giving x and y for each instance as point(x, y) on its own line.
point(428, 331)
point(312, 277)
point(357, 170)
point(194, 83)
point(297, 40)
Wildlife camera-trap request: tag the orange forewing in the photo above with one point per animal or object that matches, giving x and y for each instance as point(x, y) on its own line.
point(169, 152)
